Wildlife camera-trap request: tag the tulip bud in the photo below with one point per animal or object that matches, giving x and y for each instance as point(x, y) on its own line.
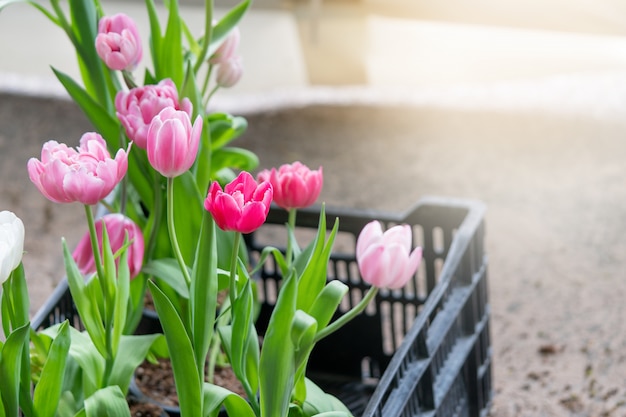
point(385, 259)
point(172, 142)
point(227, 49)
point(295, 185)
point(117, 226)
point(229, 72)
point(11, 243)
point(118, 43)
point(242, 206)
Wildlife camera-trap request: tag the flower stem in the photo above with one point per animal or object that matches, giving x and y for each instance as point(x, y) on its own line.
point(341, 321)
point(291, 226)
point(208, 29)
point(172, 231)
point(232, 290)
point(95, 247)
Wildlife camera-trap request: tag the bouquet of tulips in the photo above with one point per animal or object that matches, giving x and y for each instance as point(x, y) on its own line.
point(177, 201)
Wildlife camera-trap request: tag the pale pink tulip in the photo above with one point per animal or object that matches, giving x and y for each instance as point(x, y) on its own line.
point(173, 142)
point(242, 206)
point(86, 174)
point(11, 243)
point(229, 72)
point(228, 48)
point(117, 226)
point(385, 259)
point(118, 43)
point(136, 108)
point(295, 185)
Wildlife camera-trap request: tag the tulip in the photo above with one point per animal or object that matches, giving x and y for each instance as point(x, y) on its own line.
point(172, 142)
point(118, 43)
point(136, 108)
point(11, 243)
point(117, 226)
point(242, 206)
point(227, 49)
point(385, 259)
point(295, 185)
point(229, 72)
point(86, 174)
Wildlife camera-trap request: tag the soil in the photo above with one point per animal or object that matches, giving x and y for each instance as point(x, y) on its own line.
point(553, 184)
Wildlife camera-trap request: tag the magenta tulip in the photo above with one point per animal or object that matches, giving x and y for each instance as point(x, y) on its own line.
point(295, 185)
point(228, 48)
point(173, 142)
point(385, 259)
point(136, 108)
point(86, 174)
point(118, 43)
point(229, 72)
point(117, 226)
point(243, 204)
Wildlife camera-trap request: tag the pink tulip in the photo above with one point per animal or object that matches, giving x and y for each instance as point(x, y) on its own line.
point(229, 72)
point(242, 206)
point(295, 185)
point(227, 49)
point(385, 259)
point(118, 43)
point(136, 108)
point(86, 174)
point(117, 226)
point(173, 142)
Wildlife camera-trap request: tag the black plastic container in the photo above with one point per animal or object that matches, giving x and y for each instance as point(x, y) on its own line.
point(423, 350)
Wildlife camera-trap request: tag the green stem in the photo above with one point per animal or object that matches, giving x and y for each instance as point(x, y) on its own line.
point(172, 231)
point(232, 290)
point(208, 98)
point(291, 226)
point(341, 321)
point(208, 29)
point(128, 79)
point(207, 77)
point(108, 302)
point(156, 213)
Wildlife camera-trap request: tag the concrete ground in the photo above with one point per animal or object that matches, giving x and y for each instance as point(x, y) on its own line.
point(521, 108)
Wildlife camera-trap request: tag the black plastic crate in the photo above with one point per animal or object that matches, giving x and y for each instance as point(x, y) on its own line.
point(424, 350)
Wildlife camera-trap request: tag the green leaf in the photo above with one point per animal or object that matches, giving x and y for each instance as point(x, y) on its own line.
point(204, 286)
point(108, 126)
point(168, 270)
point(106, 402)
point(215, 397)
point(188, 208)
point(318, 403)
point(122, 299)
point(225, 128)
point(188, 384)
point(133, 350)
point(313, 278)
point(87, 309)
point(48, 390)
point(226, 24)
point(170, 55)
point(276, 374)
point(327, 302)
point(10, 368)
point(236, 158)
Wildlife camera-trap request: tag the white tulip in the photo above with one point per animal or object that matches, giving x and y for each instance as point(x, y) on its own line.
point(11, 243)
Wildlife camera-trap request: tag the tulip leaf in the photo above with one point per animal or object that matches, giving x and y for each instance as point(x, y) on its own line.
point(303, 331)
point(215, 397)
point(10, 368)
point(88, 310)
point(170, 55)
point(225, 128)
point(204, 287)
point(105, 124)
point(48, 390)
point(182, 354)
point(320, 404)
point(133, 350)
point(168, 271)
point(109, 401)
point(188, 208)
point(236, 158)
point(276, 368)
point(226, 24)
point(122, 298)
point(313, 278)
point(327, 302)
